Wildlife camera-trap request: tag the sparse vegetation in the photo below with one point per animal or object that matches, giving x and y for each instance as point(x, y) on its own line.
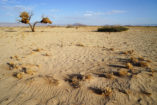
point(79, 44)
point(143, 64)
point(105, 92)
point(75, 80)
point(128, 52)
point(19, 75)
point(27, 70)
point(139, 62)
point(37, 50)
point(123, 72)
point(109, 75)
point(88, 77)
point(129, 66)
point(146, 93)
point(25, 18)
point(11, 65)
point(112, 29)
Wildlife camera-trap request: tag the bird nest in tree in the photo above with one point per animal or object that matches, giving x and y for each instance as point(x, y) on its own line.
point(24, 20)
point(24, 15)
point(46, 20)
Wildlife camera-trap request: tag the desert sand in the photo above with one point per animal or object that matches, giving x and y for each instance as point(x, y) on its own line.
point(78, 66)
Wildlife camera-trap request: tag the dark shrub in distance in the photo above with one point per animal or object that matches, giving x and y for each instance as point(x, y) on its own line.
point(112, 29)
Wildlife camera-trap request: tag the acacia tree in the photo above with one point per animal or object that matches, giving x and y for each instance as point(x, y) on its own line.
point(25, 18)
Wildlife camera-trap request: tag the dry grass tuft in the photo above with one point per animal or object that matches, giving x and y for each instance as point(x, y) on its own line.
point(126, 91)
point(133, 60)
point(112, 49)
point(29, 71)
point(19, 75)
point(148, 61)
point(79, 44)
point(105, 92)
point(141, 58)
point(46, 54)
point(109, 75)
point(129, 66)
point(75, 80)
point(88, 77)
point(122, 72)
point(37, 50)
point(143, 64)
point(128, 52)
point(146, 93)
point(12, 65)
point(15, 57)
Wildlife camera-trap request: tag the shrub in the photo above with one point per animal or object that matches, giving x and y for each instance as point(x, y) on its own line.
point(112, 29)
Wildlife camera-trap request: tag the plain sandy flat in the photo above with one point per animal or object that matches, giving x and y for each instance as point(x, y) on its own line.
point(54, 54)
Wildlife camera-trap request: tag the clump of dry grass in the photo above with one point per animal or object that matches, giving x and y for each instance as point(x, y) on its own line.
point(129, 66)
point(79, 44)
point(27, 70)
point(146, 93)
point(105, 92)
point(148, 61)
point(15, 57)
point(122, 72)
point(18, 75)
point(37, 50)
point(139, 62)
point(112, 49)
point(126, 91)
point(12, 65)
point(88, 77)
point(141, 58)
point(129, 52)
point(46, 54)
point(109, 75)
point(143, 64)
point(75, 80)
point(133, 60)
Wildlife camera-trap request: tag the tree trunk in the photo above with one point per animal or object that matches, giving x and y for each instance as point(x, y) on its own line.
point(33, 27)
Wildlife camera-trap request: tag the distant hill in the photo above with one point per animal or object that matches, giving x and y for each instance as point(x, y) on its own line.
point(78, 24)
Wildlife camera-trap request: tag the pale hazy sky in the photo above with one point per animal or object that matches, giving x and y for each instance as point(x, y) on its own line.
point(91, 12)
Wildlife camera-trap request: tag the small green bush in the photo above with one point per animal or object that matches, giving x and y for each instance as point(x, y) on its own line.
point(112, 29)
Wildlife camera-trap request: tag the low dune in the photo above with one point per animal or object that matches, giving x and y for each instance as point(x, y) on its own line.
point(78, 66)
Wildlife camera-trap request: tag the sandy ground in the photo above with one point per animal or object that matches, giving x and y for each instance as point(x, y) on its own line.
point(69, 66)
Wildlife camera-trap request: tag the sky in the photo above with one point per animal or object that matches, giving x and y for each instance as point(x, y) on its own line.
point(89, 12)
